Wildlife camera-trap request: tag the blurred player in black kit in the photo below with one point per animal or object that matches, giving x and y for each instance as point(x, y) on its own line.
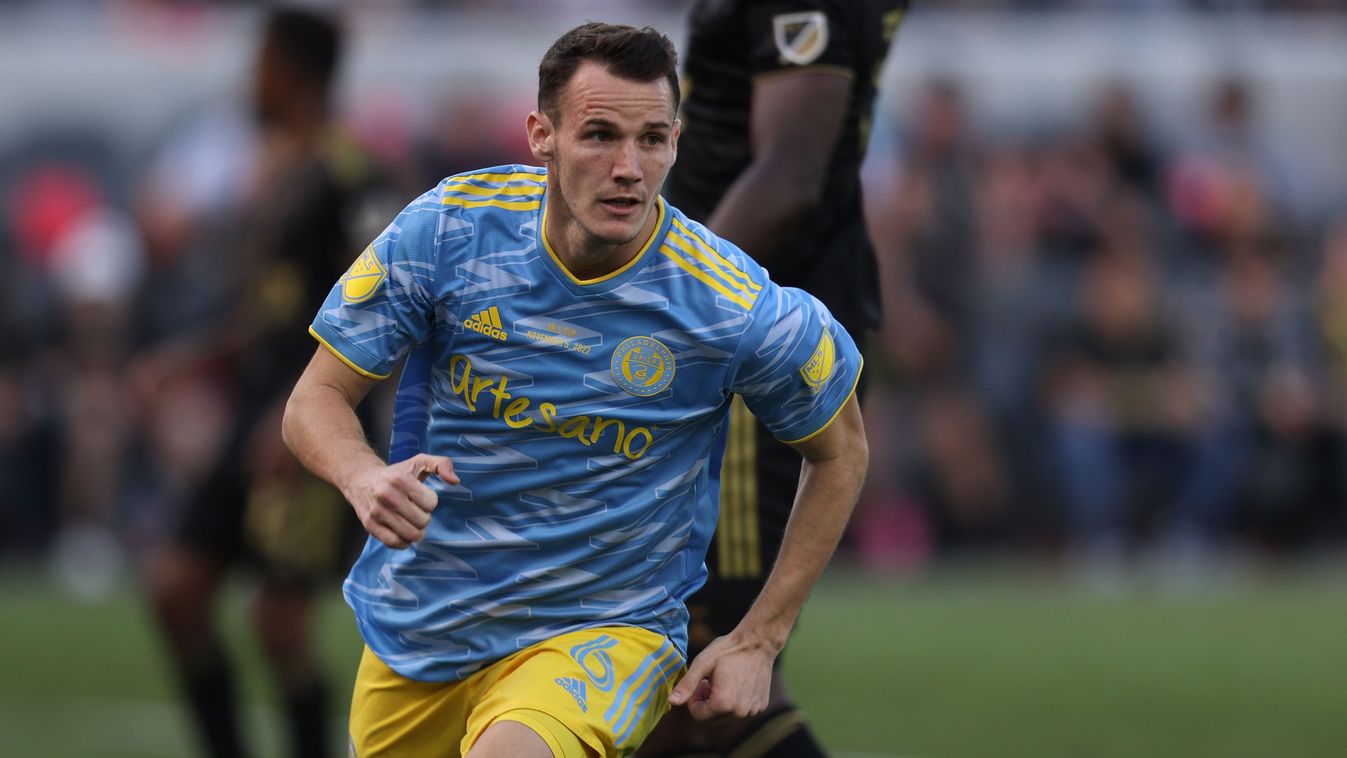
point(256, 505)
point(775, 121)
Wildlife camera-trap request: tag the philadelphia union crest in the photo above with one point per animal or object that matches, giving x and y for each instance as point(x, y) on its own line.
point(643, 366)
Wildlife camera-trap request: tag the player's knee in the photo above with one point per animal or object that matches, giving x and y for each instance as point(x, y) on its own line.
point(282, 624)
point(180, 598)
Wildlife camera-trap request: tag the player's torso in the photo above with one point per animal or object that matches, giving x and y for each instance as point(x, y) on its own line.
point(580, 418)
point(607, 374)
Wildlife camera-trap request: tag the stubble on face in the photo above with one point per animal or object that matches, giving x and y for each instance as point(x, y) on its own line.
point(614, 142)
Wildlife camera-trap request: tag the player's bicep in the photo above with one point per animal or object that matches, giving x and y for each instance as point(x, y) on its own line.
point(328, 372)
point(843, 436)
point(797, 118)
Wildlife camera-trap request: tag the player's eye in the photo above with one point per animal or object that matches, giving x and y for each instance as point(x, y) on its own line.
point(600, 136)
point(653, 140)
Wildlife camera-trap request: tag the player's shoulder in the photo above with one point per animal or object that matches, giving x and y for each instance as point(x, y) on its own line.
point(509, 189)
point(720, 263)
point(734, 273)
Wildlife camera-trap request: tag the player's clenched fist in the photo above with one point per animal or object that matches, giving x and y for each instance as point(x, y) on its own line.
point(393, 501)
point(732, 676)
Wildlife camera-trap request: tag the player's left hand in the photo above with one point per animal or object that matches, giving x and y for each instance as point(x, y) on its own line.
point(731, 677)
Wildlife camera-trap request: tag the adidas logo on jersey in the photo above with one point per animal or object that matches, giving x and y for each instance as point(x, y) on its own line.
point(576, 688)
point(487, 322)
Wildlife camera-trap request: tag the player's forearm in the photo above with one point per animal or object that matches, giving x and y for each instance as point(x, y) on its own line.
point(823, 504)
point(323, 431)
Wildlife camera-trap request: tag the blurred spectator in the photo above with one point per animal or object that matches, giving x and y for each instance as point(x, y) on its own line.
point(96, 266)
point(932, 232)
point(29, 449)
point(1127, 428)
point(466, 130)
point(1254, 339)
point(1123, 138)
point(78, 263)
point(932, 239)
point(312, 198)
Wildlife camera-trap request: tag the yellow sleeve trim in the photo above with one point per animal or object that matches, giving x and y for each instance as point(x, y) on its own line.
point(343, 358)
point(836, 413)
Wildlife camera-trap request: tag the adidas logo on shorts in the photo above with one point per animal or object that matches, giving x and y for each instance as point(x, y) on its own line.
point(576, 688)
point(487, 322)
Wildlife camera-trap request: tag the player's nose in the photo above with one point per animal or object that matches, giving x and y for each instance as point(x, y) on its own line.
point(627, 163)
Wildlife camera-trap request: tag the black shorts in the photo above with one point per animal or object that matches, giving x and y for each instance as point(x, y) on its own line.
point(294, 528)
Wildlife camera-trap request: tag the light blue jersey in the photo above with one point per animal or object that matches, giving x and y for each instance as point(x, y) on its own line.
point(581, 416)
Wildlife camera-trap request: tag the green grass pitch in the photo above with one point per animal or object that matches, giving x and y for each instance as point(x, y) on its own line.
point(992, 662)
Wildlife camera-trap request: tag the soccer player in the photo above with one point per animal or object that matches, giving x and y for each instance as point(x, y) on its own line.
point(570, 344)
point(293, 240)
point(779, 99)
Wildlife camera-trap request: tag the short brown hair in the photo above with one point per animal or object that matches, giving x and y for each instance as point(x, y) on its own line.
point(642, 55)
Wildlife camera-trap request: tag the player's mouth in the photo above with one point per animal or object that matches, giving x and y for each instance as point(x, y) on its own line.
point(621, 206)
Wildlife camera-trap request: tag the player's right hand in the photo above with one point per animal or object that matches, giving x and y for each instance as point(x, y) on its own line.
point(393, 502)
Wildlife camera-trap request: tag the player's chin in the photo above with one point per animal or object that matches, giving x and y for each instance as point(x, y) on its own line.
point(619, 231)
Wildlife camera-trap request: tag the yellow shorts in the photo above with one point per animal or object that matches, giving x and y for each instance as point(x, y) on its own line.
point(593, 692)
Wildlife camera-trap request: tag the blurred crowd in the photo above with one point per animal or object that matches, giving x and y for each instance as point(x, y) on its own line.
point(1103, 344)
point(1098, 344)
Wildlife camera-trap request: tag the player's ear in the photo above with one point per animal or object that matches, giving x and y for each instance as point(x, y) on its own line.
point(542, 136)
point(673, 136)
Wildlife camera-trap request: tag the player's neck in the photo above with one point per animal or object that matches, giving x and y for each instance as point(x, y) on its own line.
point(584, 256)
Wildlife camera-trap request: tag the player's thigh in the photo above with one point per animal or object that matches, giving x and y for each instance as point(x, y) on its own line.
point(526, 733)
point(607, 686)
point(396, 717)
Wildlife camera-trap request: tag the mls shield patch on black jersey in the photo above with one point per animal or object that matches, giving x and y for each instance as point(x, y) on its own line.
point(800, 37)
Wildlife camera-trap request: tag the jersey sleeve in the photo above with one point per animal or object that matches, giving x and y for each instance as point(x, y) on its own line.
point(796, 366)
point(384, 304)
point(786, 34)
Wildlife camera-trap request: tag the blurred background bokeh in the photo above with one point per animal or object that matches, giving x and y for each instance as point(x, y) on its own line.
point(1110, 390)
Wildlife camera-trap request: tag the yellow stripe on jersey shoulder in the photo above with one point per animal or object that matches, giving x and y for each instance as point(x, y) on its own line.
point(532, 190)
point(509, 205)
point(514, 176)
point(734, 271)
point(735, 296)
point(687, 247)
point(523, 191)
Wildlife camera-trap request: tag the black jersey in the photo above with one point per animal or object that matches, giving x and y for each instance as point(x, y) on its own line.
point(734, 41)
point(303, 235)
